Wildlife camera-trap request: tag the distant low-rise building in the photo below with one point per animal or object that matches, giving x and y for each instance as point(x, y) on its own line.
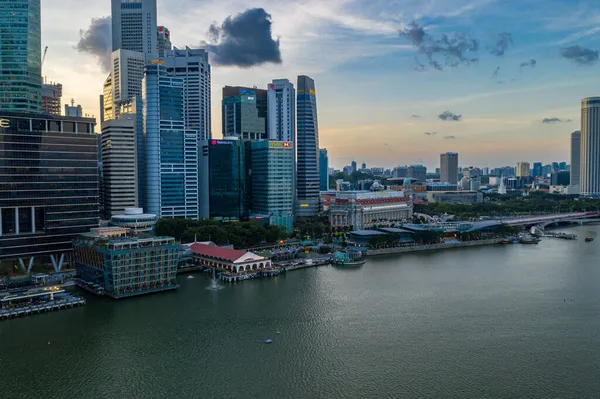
point(365, 209)
point(231, 260)
point(455, 197)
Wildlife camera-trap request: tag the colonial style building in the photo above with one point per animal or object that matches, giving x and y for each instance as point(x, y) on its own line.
point(364, 209)
point(232, 260)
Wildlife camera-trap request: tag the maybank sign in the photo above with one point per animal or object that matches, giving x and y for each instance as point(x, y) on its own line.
point(279, 144)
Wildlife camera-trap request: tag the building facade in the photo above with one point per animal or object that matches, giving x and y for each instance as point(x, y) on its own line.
point(229, 260)
point(20, 58)
point(51, 98)
point(134, 26)
point(323, 170)
point(522, 169)
point(575, 157)
point(449, 168)
point(48, 185)
point(163, 41)
point(590, 147)
point(561, 178)
point(307, 164)
point(172, 152)
point(244, 113)
point(229, 179)
point(281, 103)
point(455, 197)
point(126, 76)
point(418, 172)
point(122, 265)
point(362, 210)
point(272, 164)
point(119, 165)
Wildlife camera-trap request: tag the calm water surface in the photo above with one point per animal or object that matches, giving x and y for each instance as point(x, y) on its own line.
point(491, 322)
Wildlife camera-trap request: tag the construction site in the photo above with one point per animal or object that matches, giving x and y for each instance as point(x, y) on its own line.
point(115, 262)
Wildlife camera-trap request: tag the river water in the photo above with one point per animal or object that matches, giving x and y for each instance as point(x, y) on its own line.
point(489, 322)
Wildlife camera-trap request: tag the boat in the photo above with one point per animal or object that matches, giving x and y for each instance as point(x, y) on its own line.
point(268, 341)
point(349, 259)
point(528, 239)
point(589, 239)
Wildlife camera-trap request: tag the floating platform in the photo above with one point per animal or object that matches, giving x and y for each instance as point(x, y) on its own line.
point(65, 301)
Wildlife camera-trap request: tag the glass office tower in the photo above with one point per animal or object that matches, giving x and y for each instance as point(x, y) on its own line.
point(20, 56)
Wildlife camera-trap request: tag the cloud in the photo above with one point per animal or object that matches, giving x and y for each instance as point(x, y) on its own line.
point(580, 55)
point(415, 116)
point(244, 40)
point(503, 40)
point(555, 120)
point(447, 51)
point(449, 116)
point(430, 133)
point(97, 41)
point(449, 137)
point(531, 63)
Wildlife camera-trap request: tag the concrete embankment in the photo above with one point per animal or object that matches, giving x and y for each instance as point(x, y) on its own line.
point(432, 247)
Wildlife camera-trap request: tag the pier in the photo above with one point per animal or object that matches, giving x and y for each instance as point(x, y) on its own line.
point(563, 236)
point(37, 301)
point(432, 247)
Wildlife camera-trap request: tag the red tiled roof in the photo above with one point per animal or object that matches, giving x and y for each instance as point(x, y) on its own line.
point(375, 201)
point(227, 254)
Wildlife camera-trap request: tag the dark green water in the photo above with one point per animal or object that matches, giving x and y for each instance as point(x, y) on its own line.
point(488, 322)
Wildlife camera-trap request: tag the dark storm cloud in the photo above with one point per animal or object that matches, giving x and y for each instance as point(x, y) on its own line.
point(555, 120)
point(449, 137)
point(244, 40)
point(97, 41)
point(531, 63)
point(449, 116)
point(430, 133)
point(580, 55)
point(503, 40)
point(447, 51)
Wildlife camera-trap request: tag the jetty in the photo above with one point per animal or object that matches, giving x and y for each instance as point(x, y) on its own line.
point(37, 301)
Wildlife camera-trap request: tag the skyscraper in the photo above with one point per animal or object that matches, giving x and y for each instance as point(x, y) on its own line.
point(449, 168)
point(193, 67)
point(119, 164)
point(126, 76)
point(163, 41)
point(590, 147)
point(229, 179)
point(537, 169)
point(418, 172)
point(244, 113)
point(134, 26)
point(272, 164)
point(172, 152)
point(522, 169)
point(575, 156)
point(323, 169)
point(20, 56)
point(51, 98)
point(282, 111)
point(307, 177)
point(354, 166)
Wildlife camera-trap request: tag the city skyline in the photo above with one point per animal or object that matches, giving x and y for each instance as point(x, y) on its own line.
point(490, 117)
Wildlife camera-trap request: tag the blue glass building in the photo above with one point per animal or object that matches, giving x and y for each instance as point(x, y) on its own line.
point(171, 151)
point(307, 177)
point(323, 169)
point(20, 56)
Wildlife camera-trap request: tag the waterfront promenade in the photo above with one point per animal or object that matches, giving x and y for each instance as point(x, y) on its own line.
point(432, 247)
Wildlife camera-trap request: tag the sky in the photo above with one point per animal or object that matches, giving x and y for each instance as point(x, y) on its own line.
point(398, 81)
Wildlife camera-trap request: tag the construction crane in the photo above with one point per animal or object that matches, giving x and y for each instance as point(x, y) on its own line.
point(44, 56)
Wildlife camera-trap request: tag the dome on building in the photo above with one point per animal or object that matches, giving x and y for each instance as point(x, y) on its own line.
point(135, 219)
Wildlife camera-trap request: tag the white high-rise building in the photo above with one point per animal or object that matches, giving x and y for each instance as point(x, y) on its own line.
point(522, 169)
point(119, 164)
point(126, 76)
point(575, 158)
point(590, 147)
point(134, 26)
point(281, 103)
point(192, 66)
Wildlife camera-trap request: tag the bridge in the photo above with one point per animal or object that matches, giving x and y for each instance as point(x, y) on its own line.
point(545, 220)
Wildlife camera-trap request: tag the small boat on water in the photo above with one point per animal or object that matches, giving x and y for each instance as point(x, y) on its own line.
point(528, 239)
point(589, 239)
point(349, 259)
